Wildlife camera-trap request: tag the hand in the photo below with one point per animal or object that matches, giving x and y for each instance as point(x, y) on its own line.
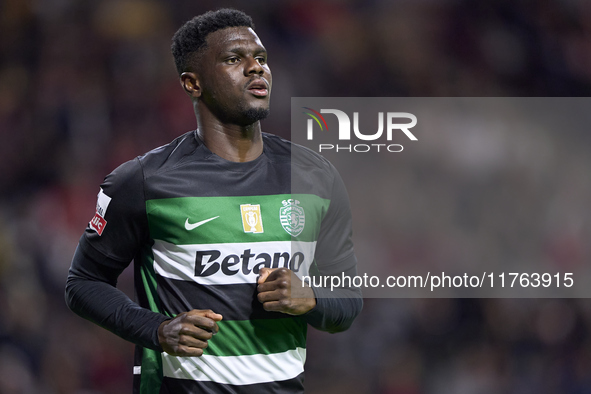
point(187, 334)
point(280, 290)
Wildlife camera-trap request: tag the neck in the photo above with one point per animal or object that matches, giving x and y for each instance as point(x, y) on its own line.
point(229, 141)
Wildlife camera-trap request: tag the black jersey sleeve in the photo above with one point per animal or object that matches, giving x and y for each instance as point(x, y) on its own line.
point(120, 224)
point(337, 308)
point(111, 240)
point(335, 244)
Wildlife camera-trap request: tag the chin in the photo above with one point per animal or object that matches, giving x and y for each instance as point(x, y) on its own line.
point(253, 115)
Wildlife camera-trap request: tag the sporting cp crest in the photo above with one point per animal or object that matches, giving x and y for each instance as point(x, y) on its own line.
point(292, 217)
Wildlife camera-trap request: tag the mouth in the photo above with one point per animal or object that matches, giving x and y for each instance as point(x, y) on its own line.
point(258, 88)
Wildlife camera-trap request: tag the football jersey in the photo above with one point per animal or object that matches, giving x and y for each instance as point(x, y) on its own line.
point(199, 229)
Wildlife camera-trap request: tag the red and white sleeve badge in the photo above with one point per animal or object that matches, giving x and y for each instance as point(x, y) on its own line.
point(98, 222)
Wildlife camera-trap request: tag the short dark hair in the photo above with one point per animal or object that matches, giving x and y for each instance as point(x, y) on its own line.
point(190, 38)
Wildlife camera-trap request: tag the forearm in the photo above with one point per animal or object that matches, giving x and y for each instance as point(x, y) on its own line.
point(337, 308)
point(95, 298)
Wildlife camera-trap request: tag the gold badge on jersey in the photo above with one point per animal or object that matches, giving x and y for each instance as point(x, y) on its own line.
point(252, 220)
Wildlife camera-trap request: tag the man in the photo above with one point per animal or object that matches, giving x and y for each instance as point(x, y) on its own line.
point(219, 236)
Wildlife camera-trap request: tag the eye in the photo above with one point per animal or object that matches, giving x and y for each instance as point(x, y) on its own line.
point(232, 60)
point(262, 61)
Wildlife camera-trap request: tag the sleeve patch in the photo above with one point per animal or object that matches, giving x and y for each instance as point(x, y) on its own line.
point(98, 222)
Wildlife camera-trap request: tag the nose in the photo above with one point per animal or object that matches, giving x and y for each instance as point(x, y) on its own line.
point(254, 67)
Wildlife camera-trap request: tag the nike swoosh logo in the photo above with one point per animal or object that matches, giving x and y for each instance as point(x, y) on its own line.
point(190, 226)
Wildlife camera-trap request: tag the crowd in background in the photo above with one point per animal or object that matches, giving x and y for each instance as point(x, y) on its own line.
point(87, 85)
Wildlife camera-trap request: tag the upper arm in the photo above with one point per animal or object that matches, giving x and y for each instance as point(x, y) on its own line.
point(118, 228)
point(121, 209)
point(334, 252)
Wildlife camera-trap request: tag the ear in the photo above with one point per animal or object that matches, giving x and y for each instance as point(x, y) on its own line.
point(190, 82)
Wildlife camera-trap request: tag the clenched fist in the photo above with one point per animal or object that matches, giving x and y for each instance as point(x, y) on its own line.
point(187, 334)
point(280, 290)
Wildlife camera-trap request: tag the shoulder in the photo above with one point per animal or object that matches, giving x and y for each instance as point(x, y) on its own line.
point(170, 155)
point(297, 155)
point(136, 170)
point(309, 172)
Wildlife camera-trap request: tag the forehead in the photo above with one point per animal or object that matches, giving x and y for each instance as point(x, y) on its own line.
point(233, 38)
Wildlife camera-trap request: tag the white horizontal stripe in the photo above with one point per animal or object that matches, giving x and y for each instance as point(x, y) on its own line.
point(238, 370)
point(179, 261)
point(137, 370)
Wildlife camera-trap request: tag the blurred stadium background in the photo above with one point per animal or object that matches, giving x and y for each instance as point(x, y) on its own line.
point(86, 85)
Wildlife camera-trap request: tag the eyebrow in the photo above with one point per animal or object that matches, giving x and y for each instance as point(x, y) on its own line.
point(242, 50)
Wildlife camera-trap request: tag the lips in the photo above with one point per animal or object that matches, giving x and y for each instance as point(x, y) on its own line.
point(258, 87)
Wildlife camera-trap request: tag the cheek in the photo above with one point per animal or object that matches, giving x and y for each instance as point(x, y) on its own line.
point(229, 84)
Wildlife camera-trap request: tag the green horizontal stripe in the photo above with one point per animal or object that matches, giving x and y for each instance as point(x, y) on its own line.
point(247, 337)
point(167, 217)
